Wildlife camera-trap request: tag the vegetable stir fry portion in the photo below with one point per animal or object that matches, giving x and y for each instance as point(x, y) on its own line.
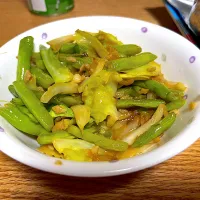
point(89, 97)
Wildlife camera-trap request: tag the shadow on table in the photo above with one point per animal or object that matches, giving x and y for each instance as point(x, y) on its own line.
point(25, 4)
point(89, 188)
point(161, 14)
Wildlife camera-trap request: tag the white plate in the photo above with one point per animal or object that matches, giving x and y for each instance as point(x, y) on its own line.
point(180, 62)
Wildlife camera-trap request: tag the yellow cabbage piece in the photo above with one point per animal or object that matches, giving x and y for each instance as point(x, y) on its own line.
point(82, 115)
point(73, 149)
point(49, 150)
point(98, 94)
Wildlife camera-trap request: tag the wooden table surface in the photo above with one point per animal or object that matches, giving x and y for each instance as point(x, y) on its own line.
point(177, 178)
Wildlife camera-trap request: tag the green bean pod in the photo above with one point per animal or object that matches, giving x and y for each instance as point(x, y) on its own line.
point(21, 121)
point(68, 48)
point(74, 130)
point(40, 65)
point(123, 64)
point(178, 92)
point(155, 130)
point(58, 72)
point(66, 112)
point(25, 110)
point(104, 142)
point(24, 56)
point(38, 93)
point(98, 140)
point(49, 138)
point(159, 89)
point(17, 101)
point(84, 49)
point(36, 56)
point(175, 104)
point(12, 90)
point(128, 49)
point(34, 105)
point(42, 78)
point(144, 103)
point(75, 62)
point(126, 91)
point(67, 100)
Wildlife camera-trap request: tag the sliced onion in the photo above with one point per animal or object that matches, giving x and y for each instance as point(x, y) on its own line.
point(58, 42)
point(59, 88)
point(155, 118)
point(131, 126)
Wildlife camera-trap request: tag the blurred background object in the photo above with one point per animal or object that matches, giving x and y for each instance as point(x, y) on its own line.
point(194, 19)
point(50, 7)
point(186, 15)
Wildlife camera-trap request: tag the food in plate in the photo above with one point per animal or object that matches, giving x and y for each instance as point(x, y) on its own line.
point(89, 97)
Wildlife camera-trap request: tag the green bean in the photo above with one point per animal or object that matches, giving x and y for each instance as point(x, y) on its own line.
point(36, 56)
point(12, 90)
point(21, 121)
point(58, 72)
point(137, 88)
point(62, 99)
point(68, 48)
point(123, 64)
point(38, 93)
point(75, 62)
point(132, 91)
point(49, 138)
point(155, 130)
point(74, 55)
point(66, 112)
point(74, 130)
point(104, 142)
point(178, 92)
point(55, 100)
point(175, 104)
point(42, 78)
point(145, 103)
point(128, 49)
point(98, 140)
point(126, 91)
point(85, 50)
point(17, 102)
point(34, 105)
point(102, 129)
point(90, 124)
point(24, 56)
point(139, 97)
point(159, 89)
point(40, 65)
point(25, 110)
point(69, 100)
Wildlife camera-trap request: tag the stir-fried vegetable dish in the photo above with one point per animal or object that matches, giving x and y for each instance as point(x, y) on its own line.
point(89, 97)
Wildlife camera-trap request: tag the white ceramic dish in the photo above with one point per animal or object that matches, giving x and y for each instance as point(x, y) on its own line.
point(180, 62)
